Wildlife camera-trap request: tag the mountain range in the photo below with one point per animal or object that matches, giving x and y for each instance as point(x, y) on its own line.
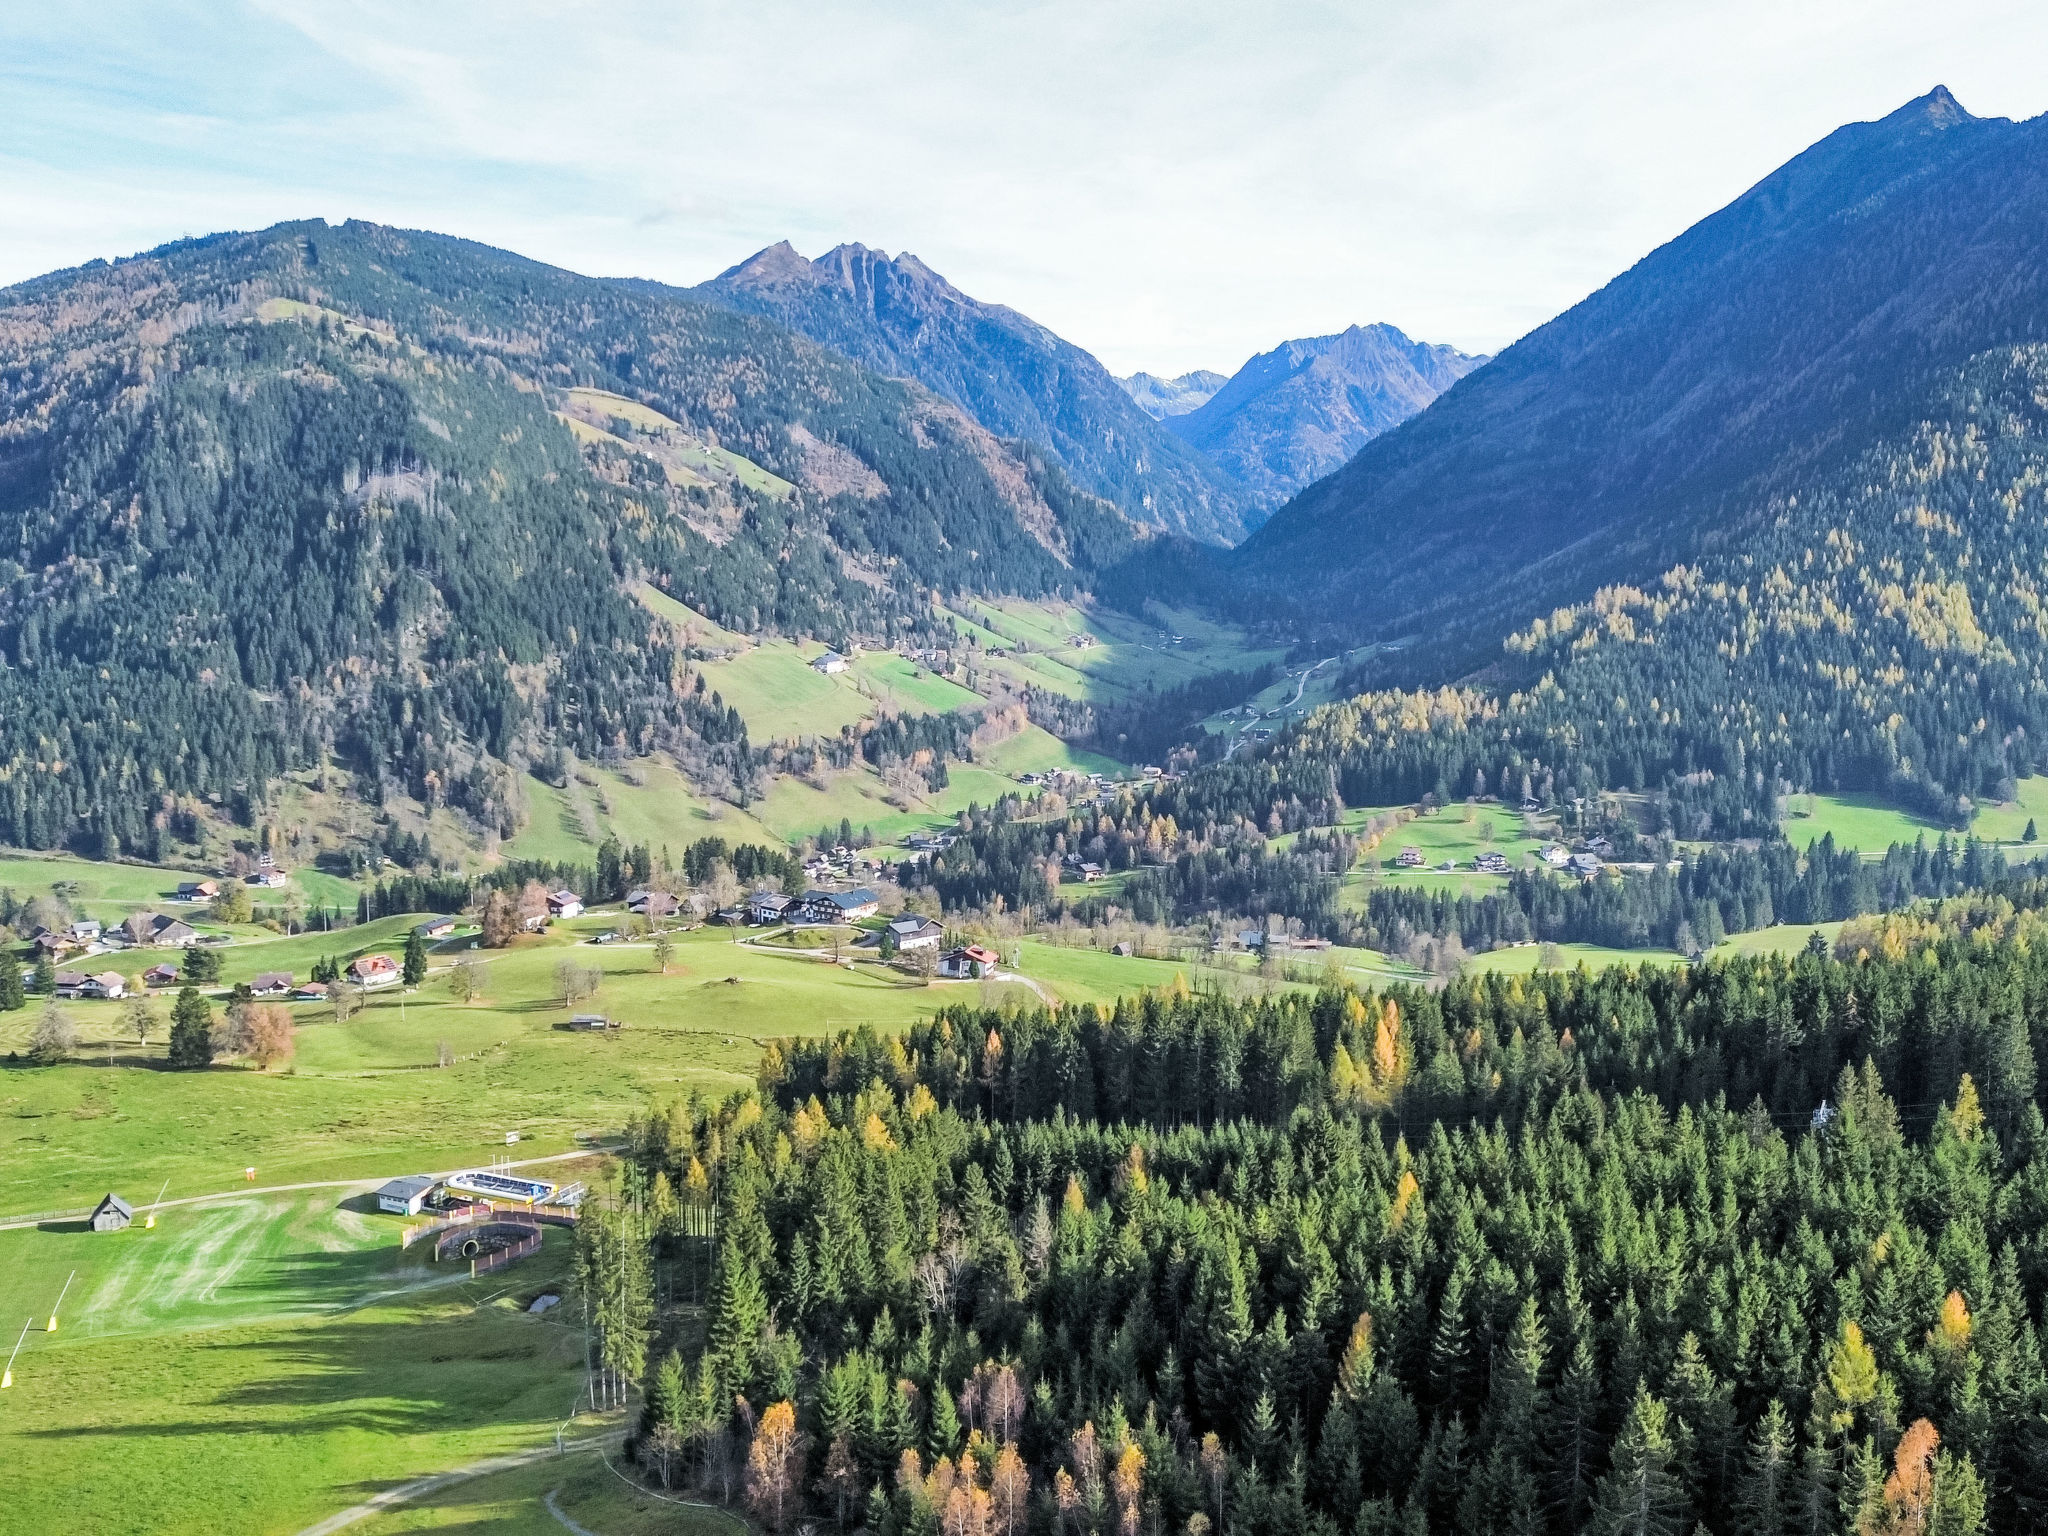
point(1292, 415)
point(1765, 514)
point(1747, 361)
point(386, 497)
point(896, 316)
point(403, 502)
point(1160, 398)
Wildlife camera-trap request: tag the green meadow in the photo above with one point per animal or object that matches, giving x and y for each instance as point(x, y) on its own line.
point(1868, 823)
point(1458, 832)
point(782, 696)
point(2007, 822)
point(1526, 959)
point(650, 805)
point(367, 1097)
point(1126, 654)
point(1035, 750)
point(581, 1486)
point(260, 1364)
point(104, 891)
point(899, 681)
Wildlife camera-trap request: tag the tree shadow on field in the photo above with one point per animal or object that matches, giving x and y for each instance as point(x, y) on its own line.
point(440, 1361)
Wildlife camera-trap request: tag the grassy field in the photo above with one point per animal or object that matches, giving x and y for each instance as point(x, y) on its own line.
point(794, 808)
point(913, 689)
point(1458, 833)
point(1035, 750)
point(693, 626)
point(260, 1364)
point(1784, 939)
point(781, 696)
point(1868, 823)
point(104, 891)
point(660, 811)
point(678, 449)
point(582, 1487)
point(1524, 959)
point(2007, 823)
point(366, 1098)
point(1127, 654)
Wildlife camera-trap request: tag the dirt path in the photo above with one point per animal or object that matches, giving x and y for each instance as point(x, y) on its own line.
point(556, 1510)
point(419, 1487)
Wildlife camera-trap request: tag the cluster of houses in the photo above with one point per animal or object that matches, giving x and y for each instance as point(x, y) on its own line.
point(814, 908)
point(839, 862)
point(86, 936)
point(1259, 939)
point(106, 985)
point(1587, 861)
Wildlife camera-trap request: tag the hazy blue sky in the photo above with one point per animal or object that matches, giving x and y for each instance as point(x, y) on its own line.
point(1171, 183)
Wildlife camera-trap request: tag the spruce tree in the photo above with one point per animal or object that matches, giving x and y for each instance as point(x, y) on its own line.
point(191, 1030)
point(415, 959)
point(942, 1435)
point(1642, 1496)
point(12, 996)
point(1766, 1495)
point(739, 1309)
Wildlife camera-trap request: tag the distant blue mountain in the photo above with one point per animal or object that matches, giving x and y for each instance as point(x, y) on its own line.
point(1160, 398)
point(1294, 414)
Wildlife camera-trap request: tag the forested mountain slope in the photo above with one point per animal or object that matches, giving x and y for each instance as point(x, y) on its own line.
point(1294, 414)
point(1018, 379)
point(1885, 630)
point(263, 496)
point(1746, 362)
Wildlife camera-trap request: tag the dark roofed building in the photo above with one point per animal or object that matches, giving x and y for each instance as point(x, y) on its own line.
point(404, 1196)
point(112, 1214)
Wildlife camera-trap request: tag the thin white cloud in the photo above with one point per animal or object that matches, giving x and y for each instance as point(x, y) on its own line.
point(1170, 184)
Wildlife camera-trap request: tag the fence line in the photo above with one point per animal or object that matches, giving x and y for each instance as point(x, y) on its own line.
point(468, 1215)
point(485, 1263)
point(79, 1214)
point(486, 1210)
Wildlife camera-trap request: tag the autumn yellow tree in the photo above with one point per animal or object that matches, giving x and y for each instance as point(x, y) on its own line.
point(775, 1467)
point(1009, 1493)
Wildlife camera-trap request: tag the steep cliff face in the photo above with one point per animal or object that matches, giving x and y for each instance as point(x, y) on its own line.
point(1018, 379)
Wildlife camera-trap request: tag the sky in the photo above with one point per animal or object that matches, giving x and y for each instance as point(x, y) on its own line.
point(1171, 184)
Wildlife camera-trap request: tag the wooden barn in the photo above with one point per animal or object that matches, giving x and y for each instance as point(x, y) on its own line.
point(112, 1214)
